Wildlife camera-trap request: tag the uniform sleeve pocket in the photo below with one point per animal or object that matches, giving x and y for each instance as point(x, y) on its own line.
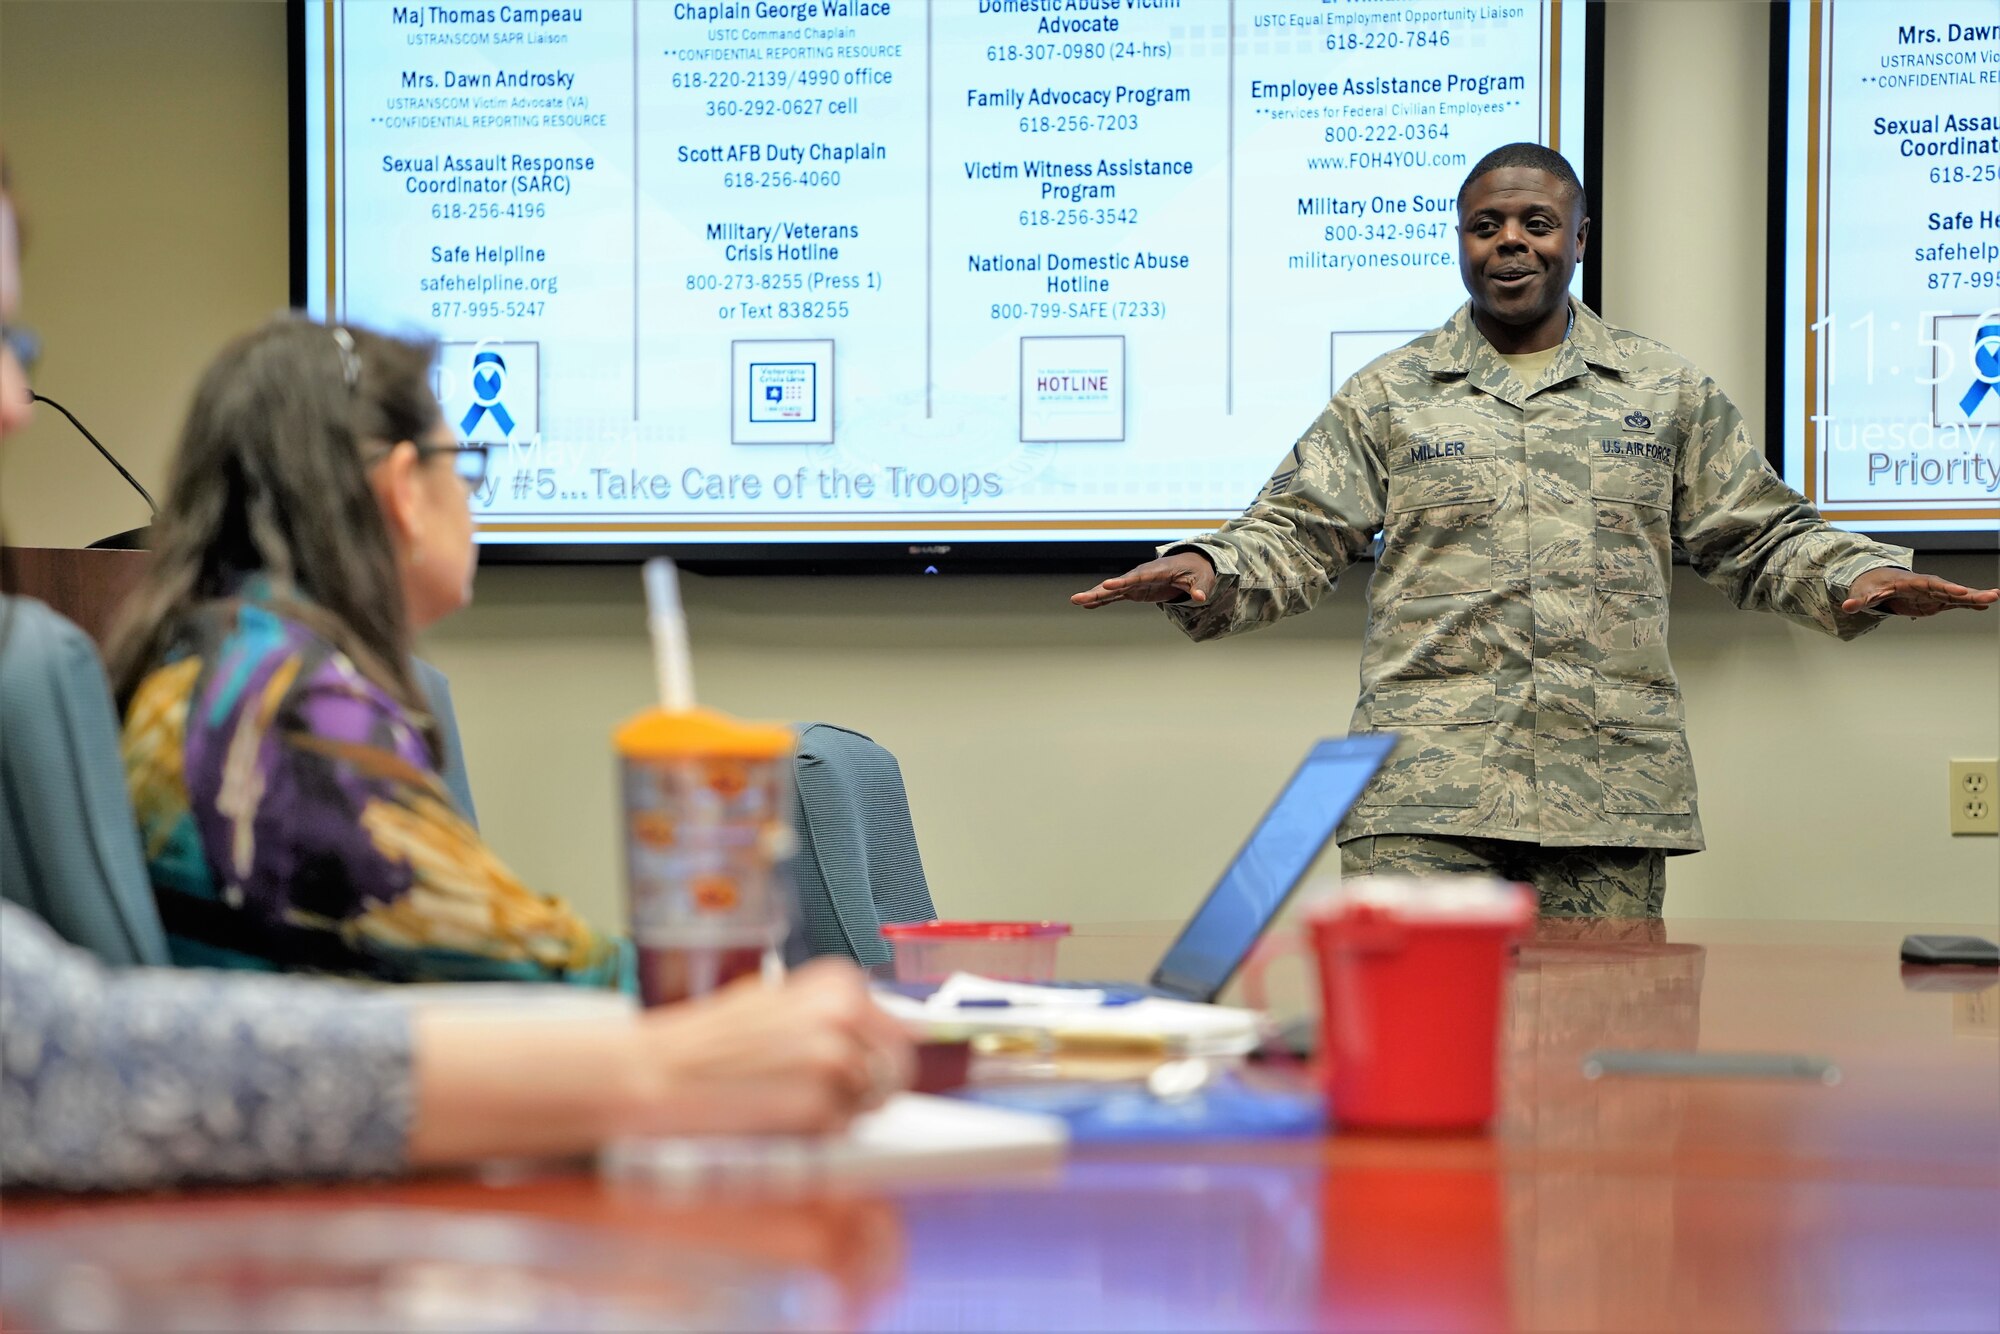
point(1441, 757)
point(1642, 751)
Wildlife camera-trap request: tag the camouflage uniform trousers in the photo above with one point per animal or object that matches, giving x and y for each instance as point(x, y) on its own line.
point(1570, 882)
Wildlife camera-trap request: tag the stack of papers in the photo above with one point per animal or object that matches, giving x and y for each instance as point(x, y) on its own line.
point(1076, 1016)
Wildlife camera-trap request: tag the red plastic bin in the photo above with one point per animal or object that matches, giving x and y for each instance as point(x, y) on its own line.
point(1012, 951)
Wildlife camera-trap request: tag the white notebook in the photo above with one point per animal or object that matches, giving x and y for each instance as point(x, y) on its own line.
point(911, 1136)
point(1072, 1012)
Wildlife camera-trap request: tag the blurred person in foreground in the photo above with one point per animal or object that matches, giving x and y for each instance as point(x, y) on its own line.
point(116, 1079)
point(1529, 470)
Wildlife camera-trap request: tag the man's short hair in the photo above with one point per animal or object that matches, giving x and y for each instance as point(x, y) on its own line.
point(1526, 155)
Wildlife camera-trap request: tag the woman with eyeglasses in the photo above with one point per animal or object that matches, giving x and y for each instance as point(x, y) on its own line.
point(118, 1078)
point(280, 757)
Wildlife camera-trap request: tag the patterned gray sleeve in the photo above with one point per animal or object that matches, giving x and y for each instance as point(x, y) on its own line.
point(1316, 516)
point(126, 1079)
point(1759, 541)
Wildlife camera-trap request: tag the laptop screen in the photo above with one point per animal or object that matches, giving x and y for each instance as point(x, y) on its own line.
point(1220, 935)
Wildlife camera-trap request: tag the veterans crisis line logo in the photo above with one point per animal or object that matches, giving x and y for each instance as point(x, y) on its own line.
point(783, 391)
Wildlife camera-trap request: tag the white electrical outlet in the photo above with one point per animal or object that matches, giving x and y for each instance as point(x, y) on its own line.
point(1975, 797)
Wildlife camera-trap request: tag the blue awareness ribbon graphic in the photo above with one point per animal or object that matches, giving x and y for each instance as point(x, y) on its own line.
point(1987, 359)
point(486, 386)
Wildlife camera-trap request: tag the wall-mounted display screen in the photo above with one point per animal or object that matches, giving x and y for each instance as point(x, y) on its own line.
point(1887, 235)
point(857, 275)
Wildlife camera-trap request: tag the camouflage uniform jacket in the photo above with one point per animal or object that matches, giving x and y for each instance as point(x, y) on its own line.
point(1517, 613)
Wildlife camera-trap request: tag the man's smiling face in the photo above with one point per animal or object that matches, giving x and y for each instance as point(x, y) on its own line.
point(1521, 233)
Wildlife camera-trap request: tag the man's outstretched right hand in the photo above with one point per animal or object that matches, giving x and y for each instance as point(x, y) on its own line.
point(1183, 576)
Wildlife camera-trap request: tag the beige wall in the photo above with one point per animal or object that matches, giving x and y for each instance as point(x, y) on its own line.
point(148, 146)
point(1063, 764)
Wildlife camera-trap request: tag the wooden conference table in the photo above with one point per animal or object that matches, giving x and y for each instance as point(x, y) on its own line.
point(1615, 1203)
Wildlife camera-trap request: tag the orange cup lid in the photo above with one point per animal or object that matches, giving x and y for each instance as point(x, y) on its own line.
point(700, 734)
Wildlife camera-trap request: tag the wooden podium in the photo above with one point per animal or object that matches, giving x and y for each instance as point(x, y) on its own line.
point(83, 583)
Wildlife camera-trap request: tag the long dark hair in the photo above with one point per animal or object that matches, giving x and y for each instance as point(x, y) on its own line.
point(270, 479)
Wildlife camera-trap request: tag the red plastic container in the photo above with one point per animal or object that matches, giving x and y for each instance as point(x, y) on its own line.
point(1010, 951)
point(1413, 980)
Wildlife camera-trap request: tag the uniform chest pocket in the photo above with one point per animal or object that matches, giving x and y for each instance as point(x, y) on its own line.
point(1633, 472)
point(1632, 490)
point(1437, 527)
point(1438, 468)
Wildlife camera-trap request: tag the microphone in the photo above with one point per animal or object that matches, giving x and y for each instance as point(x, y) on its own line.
point(132, 538)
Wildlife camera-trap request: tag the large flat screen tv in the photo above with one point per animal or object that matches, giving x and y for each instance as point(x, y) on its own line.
point(1885, 265)
point(968, 284)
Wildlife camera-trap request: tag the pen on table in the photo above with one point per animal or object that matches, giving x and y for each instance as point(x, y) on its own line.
point(1039, 1042)
point(1003, 1003)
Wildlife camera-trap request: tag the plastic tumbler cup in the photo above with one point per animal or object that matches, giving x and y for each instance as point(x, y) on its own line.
point(1412, 987)
point(707, 806)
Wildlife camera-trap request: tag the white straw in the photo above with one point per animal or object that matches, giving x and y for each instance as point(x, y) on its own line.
point(670, 635)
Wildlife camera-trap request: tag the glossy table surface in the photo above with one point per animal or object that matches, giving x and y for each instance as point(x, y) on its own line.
point(1622, 1202)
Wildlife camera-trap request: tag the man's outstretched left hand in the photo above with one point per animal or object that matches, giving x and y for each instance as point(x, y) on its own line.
point(1906, 593)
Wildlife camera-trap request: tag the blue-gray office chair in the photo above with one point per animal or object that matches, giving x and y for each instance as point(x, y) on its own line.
point(69, 843)
point(857, 865)
point(437, 692)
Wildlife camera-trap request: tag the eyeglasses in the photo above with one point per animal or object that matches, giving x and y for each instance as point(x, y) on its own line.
point(25, 345)
point(467, 461)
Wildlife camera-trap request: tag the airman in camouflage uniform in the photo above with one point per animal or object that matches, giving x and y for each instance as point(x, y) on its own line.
point(1517, 613)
